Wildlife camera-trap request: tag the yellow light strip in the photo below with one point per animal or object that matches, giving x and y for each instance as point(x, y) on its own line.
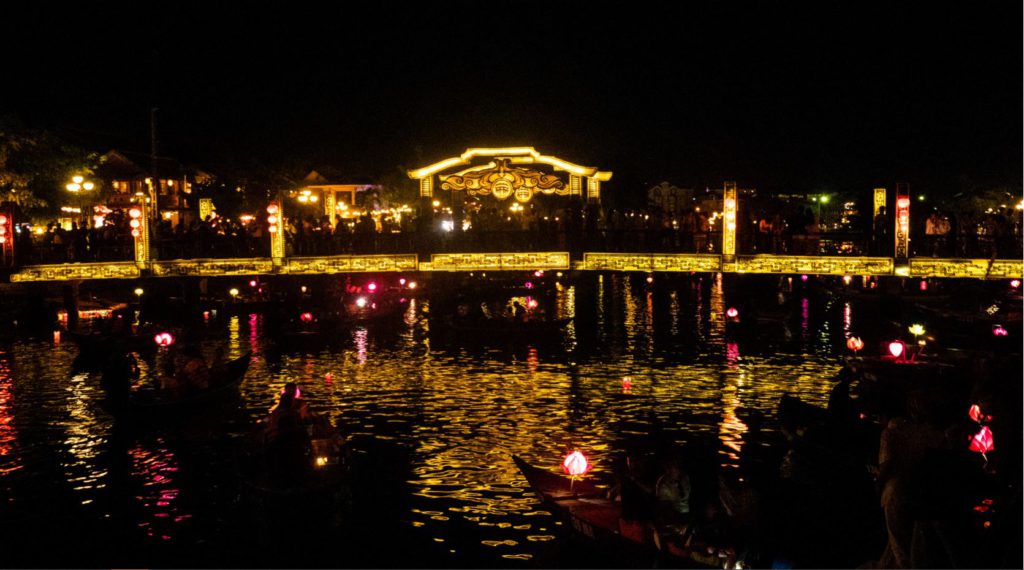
point(523, 155)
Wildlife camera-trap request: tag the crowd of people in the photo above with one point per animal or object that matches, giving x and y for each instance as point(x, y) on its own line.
point(786, 229)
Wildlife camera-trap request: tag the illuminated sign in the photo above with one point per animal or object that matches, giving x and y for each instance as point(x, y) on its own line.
point(902, 250)
point(879, 199)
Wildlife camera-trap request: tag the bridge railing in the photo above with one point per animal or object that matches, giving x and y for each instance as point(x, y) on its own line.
point(424, 243)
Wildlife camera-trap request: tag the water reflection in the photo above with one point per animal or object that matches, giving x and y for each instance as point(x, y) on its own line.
point(456, 410)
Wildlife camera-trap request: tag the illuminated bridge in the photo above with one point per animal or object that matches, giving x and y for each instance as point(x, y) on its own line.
point(512, 175)
point(527, 261)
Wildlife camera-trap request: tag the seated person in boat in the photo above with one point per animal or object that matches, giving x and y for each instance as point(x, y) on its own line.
point(196, 374)
point(672, 492)
point(518, 312)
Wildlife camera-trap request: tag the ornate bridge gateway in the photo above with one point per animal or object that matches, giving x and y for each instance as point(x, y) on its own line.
point(526, 261)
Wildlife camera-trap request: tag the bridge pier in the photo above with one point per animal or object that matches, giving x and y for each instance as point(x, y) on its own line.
point(70, 292)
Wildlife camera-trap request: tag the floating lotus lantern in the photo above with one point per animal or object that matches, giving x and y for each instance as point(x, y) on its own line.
point(896, 349)
point(982, 442)
point(999, 330)
point(164, 339)
point(855, 344)
point(575, 464)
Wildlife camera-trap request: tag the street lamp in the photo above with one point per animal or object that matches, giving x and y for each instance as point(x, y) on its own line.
point(78, 184)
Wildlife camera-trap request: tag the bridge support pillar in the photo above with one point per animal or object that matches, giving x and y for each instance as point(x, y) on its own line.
point(70, 293)
point(729, 207)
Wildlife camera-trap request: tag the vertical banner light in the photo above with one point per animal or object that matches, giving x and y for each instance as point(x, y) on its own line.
point(139, 222)
point(902, 233)
point(275, 221)
point(729, 220)
point(6, 237)
point(879, 200)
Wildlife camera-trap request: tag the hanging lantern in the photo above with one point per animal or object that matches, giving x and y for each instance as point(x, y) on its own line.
point(896, 348)
point(855, 344)
point(982, 441)
point(306, 317)
point(575, 464)
point(732, 313)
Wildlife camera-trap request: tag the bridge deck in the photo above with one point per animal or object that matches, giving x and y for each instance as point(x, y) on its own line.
point(557, 260)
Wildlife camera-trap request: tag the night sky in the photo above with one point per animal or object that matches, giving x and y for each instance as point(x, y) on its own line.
point(779, 97)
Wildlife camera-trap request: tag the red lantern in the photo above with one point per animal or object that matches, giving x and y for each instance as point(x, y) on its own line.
point(855, 344)
point(164, 339)
point(803, 278)
point(732, 313)
point(627, 385)
point(306, 317)
point(982, 441)
point(575, 464)
point(371, 287)
point(924, 285)
point(1015, 283)
point(999, 330)
point(975, 413)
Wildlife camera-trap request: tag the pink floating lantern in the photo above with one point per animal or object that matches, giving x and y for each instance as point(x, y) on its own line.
point(538, 273)
point(528, 284)
point(999, 330)
point(855, 344)
point(732, 313)
point(164, 339)
point(575, 464)
point(803, 278)
point(306, 317)
point(401, 281)
point(1015, 283)
point(982, 441)
point(975, 413)
point(924, 285)
point(371, 287)
point(252, 283)
point(896, 348)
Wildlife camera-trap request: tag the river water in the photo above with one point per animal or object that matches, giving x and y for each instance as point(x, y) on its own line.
point(434, 418)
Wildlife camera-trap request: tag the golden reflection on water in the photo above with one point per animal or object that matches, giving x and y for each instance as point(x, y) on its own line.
point(463, 411)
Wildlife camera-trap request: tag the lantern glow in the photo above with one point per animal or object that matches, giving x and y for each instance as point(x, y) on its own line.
point(164, 339)
point(804, 278)
point(1015, 283)
point(233, 292)
point(982, 441)
point(916, 329)
point(575, 464)
point(847, 279)
point(306, 317)
point(855, 344)
point(252, 283)
point(732, 313)
point(371, 287)
point(896, 348)
point(412, 284)
point(975, 413)
point(999, 330)
point(361, 302)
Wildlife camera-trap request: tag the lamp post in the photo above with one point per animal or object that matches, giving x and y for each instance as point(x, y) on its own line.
point(78, 185)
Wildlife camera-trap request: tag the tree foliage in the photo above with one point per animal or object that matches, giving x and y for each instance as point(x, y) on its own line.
point(35, 165)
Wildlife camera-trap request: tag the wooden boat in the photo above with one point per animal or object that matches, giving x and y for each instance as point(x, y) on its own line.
point(506, 327)
point(327, 463)
point(143, 405)
point(592, 515)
